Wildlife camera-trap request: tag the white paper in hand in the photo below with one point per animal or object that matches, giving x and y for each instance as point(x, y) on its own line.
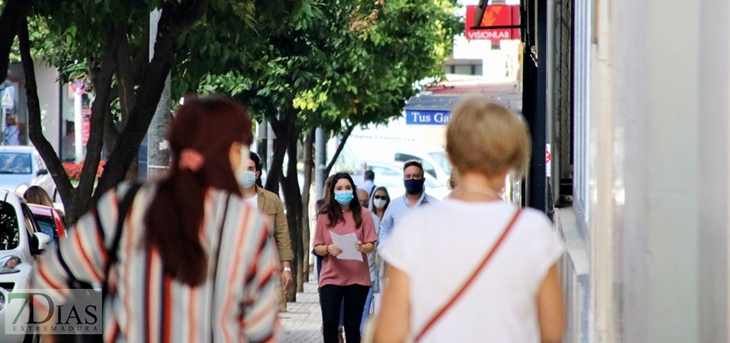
point(348, 244)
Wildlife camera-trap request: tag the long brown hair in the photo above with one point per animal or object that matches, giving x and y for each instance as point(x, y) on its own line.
point(332, 208)
point(37, 195)
point(208, 125)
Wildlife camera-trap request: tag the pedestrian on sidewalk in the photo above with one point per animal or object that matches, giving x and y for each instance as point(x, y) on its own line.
point(499, 282)
point(270, 204)
point(415, 197)
point(348, 278)
point(363, 197)
point(378, 206)
point(193, 262)
point(12, 131)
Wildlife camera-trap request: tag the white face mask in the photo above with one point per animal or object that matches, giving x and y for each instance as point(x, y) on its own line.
point(379, 203)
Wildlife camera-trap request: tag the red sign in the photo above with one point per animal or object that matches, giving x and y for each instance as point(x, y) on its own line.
point(495, 15)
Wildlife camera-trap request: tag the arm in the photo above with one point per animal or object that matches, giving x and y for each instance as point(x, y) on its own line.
point(369, 235)
point(550, 312)
point(259, 320)
point(386, 226)
point(321, 247)
point(281, 234)
point(83, 252)
point(394, 321)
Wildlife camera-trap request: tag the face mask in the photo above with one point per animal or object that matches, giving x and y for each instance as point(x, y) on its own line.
point(414, 186)
point(344, 197)
point(242, 170)
point(379, 203)
point(247, 179)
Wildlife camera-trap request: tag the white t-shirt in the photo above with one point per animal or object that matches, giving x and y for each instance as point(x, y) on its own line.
point(440, 246)
point(253, 201)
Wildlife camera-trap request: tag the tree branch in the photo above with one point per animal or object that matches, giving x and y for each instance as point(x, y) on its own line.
point(341, 146)
point(173, 21)
point(13, 16)
point(35, 127)
point(101, 78)
point(125, 80)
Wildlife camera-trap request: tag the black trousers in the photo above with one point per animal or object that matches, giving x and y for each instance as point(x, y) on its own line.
point(330, 299)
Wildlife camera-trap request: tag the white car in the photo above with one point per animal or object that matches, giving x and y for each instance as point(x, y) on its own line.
point(22, 167)
point(20, 243)
point(390, 176)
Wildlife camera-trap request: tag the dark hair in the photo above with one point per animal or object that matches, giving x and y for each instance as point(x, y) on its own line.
point(369, 175)
point(208, 125)
point(372, 198)
point(321, 202)
point(257, 164)
point(416, 163)
point(332, 208)
point(37, 195)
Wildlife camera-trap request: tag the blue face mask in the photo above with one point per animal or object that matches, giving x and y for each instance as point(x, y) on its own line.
point(344, 197)
point(247, 179)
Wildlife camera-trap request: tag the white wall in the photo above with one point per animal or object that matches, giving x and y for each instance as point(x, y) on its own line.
point(48, 95)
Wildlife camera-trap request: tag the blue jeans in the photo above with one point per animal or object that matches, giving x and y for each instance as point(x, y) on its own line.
point(366, 311)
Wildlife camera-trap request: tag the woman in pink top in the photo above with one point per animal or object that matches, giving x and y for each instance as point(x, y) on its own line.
point(343, 279)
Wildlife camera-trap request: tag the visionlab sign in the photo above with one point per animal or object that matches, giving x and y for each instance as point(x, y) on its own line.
point(427, 117)
point(495, 15)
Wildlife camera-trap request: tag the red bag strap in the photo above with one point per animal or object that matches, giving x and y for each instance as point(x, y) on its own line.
point(471, 279)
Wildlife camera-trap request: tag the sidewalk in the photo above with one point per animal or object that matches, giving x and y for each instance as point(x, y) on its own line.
point(303, 320)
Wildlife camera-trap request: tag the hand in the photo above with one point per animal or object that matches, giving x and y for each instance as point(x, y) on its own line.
point(333, 250)
point(359, 246)
point(286, 278)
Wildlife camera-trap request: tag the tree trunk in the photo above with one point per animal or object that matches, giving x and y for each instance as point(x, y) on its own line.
point(76, 202)
point(293, 203)
point(35, 127)
point(345, 136)
point(282, 129)
point(306, 195)
point(175, 18)
point(11, 21)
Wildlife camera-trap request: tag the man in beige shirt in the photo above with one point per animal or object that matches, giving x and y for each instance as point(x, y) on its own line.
point(270, 204)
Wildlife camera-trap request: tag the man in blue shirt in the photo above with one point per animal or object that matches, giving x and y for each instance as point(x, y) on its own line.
point(369, 185)
point(413, 179)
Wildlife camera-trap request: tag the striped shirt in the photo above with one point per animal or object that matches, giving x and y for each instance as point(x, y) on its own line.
point(238, 302)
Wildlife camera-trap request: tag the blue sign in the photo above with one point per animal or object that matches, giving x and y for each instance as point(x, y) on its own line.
point(7, 98)
point(427, 117)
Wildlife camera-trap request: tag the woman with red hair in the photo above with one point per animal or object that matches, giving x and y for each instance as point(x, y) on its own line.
point(193, 262)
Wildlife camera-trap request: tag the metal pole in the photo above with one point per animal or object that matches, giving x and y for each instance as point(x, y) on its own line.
point(534, 107)
point(78, 128)
point(320, 158)
point(158, 152)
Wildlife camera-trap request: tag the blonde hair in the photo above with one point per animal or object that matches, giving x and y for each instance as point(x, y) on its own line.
point(486, 137)
point(37, 195)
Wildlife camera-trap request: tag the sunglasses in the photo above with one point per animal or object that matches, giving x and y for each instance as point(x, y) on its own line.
point(380, 197)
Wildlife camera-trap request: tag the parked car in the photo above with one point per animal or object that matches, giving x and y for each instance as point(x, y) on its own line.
point(390, 176)
point(50, 221)
point(22, 167)
point(20, 243)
